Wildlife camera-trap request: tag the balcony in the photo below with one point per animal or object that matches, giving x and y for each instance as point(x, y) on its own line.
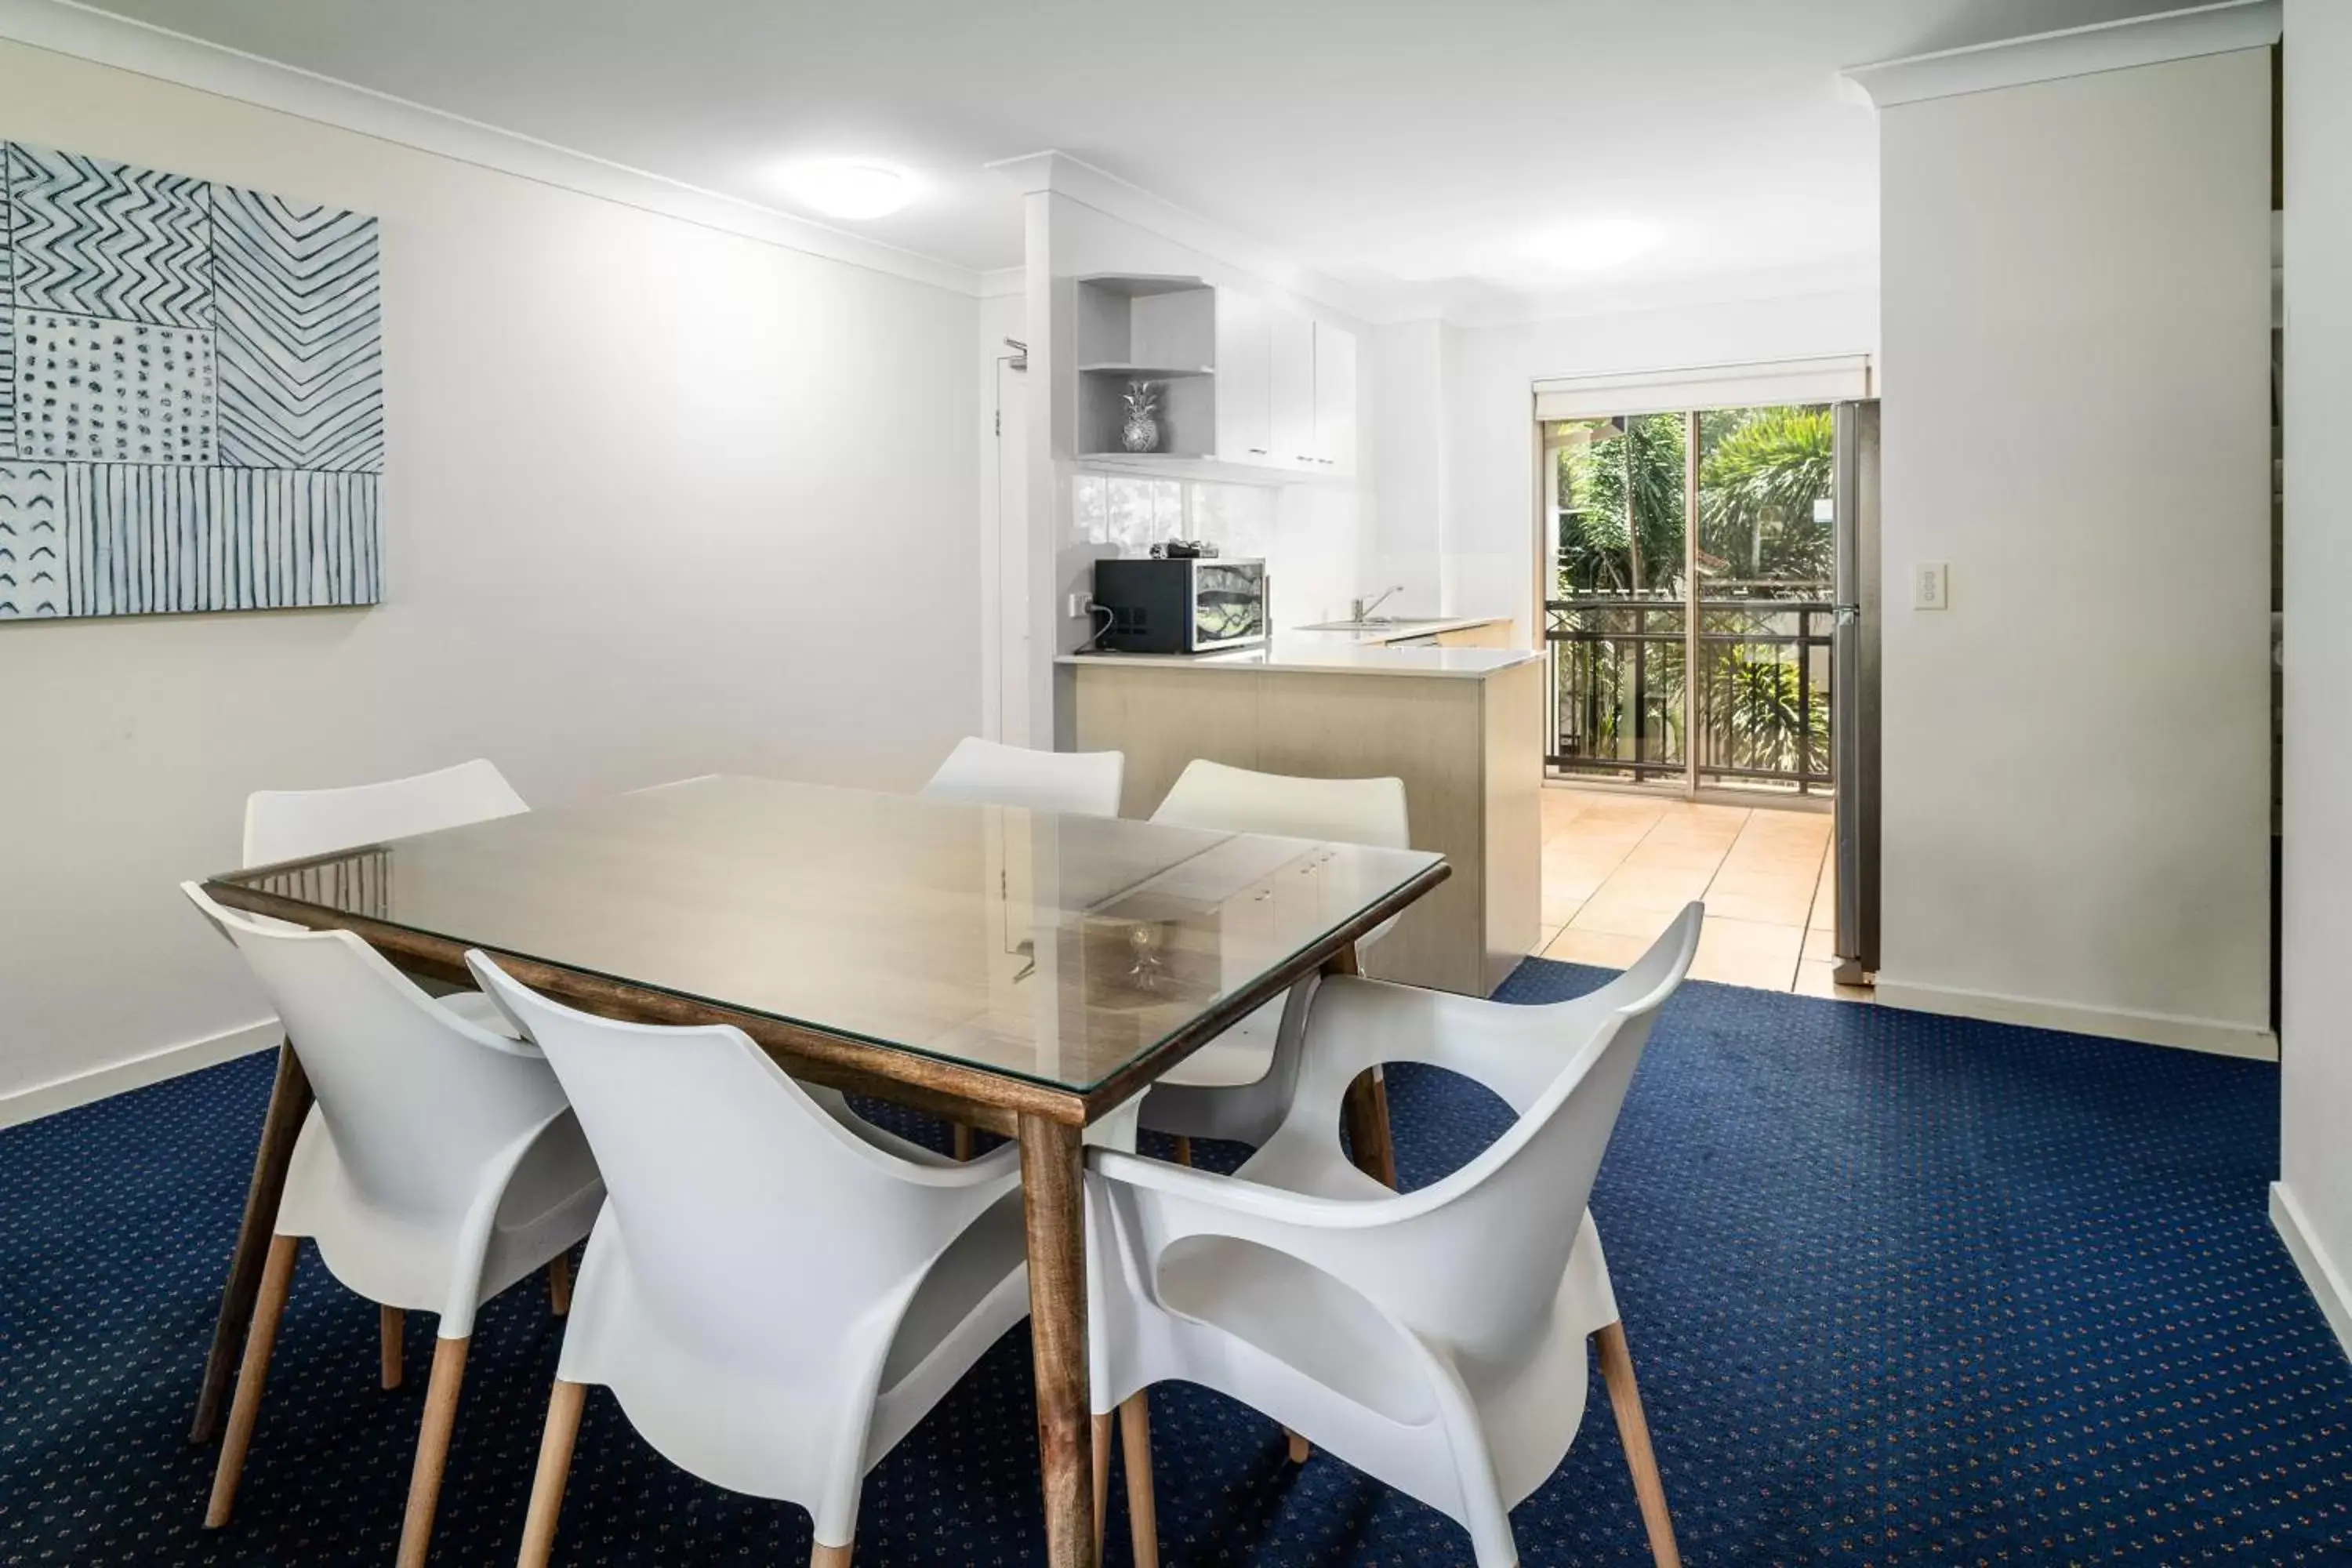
point(1622, 709)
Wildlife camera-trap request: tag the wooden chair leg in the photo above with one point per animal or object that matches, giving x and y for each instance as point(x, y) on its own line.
point(290, 1103)
point(1102, 1479)
point(1301, 1450)
point(432, 1450)
point(1142, 1505)
point(1634, 1428)
point(563, 1409)
point(559, 1283)
point(963, 1136)
point(822, 1556)
point(269, 1307)
point(1183, 1150)
point(391, 1325)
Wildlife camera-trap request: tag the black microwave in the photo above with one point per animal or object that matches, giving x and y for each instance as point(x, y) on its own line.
point(1196, 605)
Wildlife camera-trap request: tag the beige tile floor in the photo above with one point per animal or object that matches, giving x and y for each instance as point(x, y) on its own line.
point(1617, 868)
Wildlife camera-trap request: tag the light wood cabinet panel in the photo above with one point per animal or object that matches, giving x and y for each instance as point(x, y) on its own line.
point(1494, 634)
point(1469, 751)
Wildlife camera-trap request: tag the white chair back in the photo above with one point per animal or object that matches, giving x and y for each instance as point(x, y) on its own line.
point(1346, 811)
point(756, 1224)
point(987, 773)
point(1236, 800)
point(1483, 1257)
point(293, 825)
point(419, 1101)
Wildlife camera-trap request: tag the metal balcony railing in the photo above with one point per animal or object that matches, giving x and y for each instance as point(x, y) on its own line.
point(1762, 710)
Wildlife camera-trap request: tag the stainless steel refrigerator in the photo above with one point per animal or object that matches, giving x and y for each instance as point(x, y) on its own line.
point(1853, 688)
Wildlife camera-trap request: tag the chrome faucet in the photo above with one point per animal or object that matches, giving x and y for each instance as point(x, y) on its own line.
point(1360, 611)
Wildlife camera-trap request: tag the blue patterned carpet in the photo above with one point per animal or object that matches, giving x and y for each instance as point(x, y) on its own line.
point(1901, 1289)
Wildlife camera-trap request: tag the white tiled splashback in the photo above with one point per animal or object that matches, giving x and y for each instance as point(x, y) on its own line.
point(1309, 536)
point(1131, 515)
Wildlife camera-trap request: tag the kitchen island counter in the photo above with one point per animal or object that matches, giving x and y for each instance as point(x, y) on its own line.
point(1305, 654)
point(1462, 726)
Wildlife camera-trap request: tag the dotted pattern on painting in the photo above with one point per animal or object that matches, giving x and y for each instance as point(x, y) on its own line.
point(1902, 1290)
point(103, 391)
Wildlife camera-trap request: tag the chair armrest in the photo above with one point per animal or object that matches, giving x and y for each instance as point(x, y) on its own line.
point(998, 1168)
point(1246, 1200)
point(1390, 1251)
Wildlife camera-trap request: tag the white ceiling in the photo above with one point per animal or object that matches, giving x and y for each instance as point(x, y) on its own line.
point(1406, 146)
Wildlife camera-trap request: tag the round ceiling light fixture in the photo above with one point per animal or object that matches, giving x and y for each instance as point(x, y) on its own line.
point(1596, 244)
point(853, 188)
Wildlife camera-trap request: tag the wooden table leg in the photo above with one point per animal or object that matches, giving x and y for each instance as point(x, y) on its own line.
point(1365, 1111)
point(1053, 1201)
point(289, 1103)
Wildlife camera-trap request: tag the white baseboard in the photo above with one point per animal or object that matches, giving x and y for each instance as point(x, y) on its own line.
point(2318, 1270)
point(97, 1083)
point(2207, 1034)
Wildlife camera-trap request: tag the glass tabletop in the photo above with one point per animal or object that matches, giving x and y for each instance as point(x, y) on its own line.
point(1054, 949)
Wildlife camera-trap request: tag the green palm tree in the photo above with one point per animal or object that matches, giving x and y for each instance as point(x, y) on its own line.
point(1759, 481)
point(1602, 549)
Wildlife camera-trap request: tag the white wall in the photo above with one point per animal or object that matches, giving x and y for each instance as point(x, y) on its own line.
point(660, 501)
point(1406, 449)
point(2075, 282)
point(2313, 1201)
point(1480, 546)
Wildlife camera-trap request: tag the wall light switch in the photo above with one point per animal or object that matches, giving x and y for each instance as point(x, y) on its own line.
point(1930, 586)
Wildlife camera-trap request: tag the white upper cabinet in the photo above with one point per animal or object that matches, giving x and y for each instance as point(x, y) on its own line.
point(1335, 398)
point(1292, 388)
point(1244, 379)
point(1235, 378)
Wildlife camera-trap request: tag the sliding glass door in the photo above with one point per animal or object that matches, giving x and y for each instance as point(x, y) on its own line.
point(1688, 611)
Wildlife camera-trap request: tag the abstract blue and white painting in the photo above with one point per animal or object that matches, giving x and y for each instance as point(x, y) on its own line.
point(190, 395)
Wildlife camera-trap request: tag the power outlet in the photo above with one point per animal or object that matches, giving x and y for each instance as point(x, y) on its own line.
point(1077, 606)
point(1931, 585)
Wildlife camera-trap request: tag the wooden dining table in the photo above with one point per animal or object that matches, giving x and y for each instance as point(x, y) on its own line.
point(1018, 971)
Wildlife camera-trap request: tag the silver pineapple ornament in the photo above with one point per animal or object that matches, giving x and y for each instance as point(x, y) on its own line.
point(1140, 433)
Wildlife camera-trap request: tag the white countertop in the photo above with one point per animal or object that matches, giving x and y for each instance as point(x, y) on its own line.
point(1311, 655)
point(1395, 631)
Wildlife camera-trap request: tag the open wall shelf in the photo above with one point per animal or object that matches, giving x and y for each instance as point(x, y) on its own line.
point(1153, 329)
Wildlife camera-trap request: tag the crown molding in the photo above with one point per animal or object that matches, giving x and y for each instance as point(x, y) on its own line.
point(65, 27)
point(1471, 305)
point(1080, 180)
point(2210, 30)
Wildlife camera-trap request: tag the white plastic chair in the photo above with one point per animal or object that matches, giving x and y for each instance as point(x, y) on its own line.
point(439, 1165)
point(774, 1297)
point(1239, 1085)
point(987, 773)
point(1433, 1338)
point(293, 825)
